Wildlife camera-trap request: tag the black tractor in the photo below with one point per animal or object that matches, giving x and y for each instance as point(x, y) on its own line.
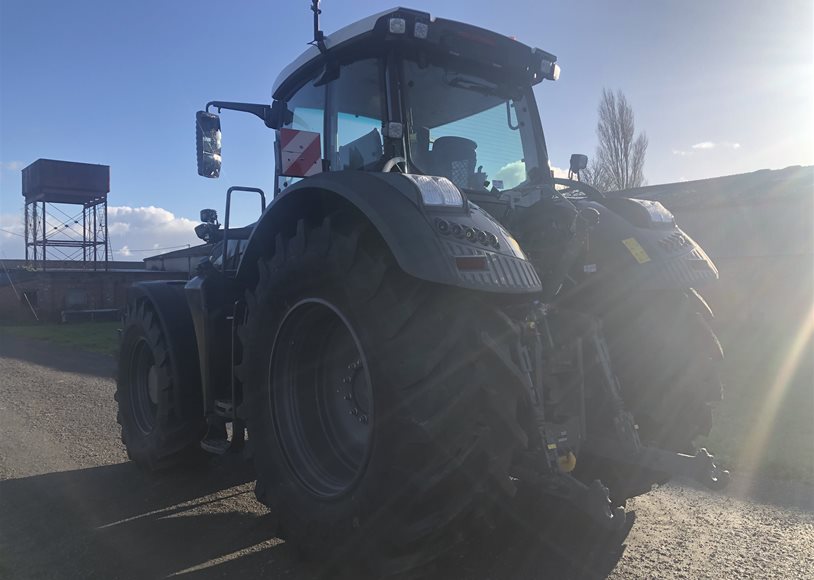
point(424, 328)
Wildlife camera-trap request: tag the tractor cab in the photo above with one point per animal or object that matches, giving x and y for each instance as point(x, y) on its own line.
point(402, 91)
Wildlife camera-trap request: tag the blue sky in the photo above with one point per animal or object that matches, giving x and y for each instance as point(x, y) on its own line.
point(720, 87)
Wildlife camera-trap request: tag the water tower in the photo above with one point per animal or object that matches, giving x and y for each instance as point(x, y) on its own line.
point(66, 213)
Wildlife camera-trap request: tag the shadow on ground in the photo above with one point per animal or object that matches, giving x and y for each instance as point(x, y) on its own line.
point(57, 357)
point(114, 522)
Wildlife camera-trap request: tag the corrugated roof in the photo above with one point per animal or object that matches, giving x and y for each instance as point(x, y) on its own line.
point(193, 252)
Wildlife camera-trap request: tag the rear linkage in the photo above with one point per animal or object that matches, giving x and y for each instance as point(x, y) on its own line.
point(537, 361)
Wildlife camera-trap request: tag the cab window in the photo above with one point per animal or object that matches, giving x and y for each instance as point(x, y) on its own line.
point(308, 108)
point(357, 108)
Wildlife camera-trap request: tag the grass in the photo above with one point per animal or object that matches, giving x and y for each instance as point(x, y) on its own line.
point(765, 424)
point(93, 336)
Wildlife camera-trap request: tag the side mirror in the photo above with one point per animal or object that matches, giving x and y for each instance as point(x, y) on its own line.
point(578, 162)
point(209, 216)
point(207, 143)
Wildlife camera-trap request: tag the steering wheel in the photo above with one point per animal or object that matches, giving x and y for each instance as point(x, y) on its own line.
point(590, 192)
point(393, 163)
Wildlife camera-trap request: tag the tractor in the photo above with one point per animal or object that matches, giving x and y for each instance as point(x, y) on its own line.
point(424, 327)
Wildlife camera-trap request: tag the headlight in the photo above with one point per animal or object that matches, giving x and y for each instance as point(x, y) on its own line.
point(437, 191)
point(657, 212)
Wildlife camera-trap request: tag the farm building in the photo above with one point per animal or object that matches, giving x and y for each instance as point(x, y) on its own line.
point(185, 260)
point(759, 230)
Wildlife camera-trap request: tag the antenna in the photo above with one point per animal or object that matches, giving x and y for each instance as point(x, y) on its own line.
point(319, 37)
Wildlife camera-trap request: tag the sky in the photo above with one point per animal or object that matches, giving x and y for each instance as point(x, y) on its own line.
point(720, 87)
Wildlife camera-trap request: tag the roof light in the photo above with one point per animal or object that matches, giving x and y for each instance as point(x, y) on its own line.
point(421, 30)
point(437, 191)
point(550, 70)
point(397, 26)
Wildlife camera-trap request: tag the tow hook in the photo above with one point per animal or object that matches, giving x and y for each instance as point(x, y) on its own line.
point(708, 472)
point(700, 467)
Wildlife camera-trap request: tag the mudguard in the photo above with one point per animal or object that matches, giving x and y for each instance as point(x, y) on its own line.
point(622, 257)
point(170, 304)
point(422, 239)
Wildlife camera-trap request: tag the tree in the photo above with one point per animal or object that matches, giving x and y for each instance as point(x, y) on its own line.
point(619, 160)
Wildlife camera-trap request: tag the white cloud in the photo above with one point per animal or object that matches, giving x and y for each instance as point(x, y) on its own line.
point(511, 174)
point(11, 165)
point(706, 146)
point(713, 145)
point(558, 172)
point(514, 173)
point(134, 232)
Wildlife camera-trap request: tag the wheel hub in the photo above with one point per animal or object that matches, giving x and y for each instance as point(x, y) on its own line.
point(152, 384)
point(143, 387)
point(321, 398)
point(354, 391)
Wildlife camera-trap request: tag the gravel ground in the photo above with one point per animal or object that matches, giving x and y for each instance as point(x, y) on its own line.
point(72, 506)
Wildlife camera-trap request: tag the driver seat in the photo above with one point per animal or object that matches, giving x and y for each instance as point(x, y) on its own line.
point(454, 158)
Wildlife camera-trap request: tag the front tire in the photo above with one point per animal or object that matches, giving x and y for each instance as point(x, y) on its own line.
point(161, 424)
point(381, 430)
point(668, 360)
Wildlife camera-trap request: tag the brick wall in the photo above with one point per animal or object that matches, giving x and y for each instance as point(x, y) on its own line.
point(55, 291)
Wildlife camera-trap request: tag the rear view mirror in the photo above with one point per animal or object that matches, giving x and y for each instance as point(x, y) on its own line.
point(578, 162)
point(207, 142)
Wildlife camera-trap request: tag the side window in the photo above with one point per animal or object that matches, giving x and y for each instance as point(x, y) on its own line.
point(357, 103)
point(308, 107)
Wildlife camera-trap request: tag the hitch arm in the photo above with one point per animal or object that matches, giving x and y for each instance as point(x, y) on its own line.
point(700, 467)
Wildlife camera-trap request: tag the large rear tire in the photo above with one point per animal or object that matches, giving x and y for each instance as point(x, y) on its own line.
point(161, 424)
point(380, 428)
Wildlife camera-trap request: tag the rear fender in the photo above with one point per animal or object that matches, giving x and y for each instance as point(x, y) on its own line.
point(391, 203)
point(169, 302)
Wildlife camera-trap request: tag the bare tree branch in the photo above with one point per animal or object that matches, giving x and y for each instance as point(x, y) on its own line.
point(619, 160)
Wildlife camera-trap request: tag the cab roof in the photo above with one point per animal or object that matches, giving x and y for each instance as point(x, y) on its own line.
point(453, 37)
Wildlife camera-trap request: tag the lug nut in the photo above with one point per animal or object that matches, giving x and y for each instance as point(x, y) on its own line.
point(354, 411)
point(363, 419)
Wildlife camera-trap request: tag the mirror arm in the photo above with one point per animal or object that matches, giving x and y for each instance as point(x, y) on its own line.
point(269, 114)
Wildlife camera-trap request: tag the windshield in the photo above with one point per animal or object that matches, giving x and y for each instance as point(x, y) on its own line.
point(464, 127)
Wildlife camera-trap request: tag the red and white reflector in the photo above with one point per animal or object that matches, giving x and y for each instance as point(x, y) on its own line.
point(300, 153)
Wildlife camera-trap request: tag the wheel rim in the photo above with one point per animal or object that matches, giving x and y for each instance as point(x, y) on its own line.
point(143, 387)
point(321, 398)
